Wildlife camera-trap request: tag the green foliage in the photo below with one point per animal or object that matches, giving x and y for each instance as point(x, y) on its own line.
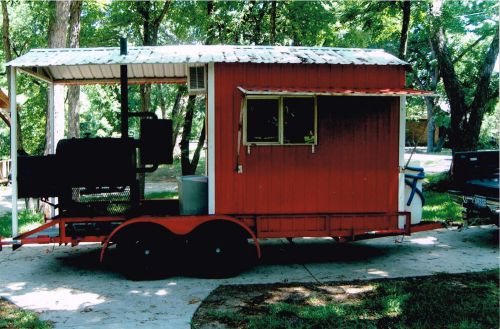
point(442, 301)
point(439, 182)
point(101, 115)
point(28, 220)
point(13, 317)
point(488, 138)
point(4, 143)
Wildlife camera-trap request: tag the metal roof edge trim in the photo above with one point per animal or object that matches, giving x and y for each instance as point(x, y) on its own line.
point(380, 92)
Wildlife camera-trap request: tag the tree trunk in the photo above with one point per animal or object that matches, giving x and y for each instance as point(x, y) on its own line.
point(150, 29)
point(403, 43)
point(145, 91)
point(74, 91)
point(58, 25)
point(272, 34)
point(257, 32)
point(430, 125)
point(186, 135)
point(197, 151)
point(465, 119)
point(211, 28)
point(189, 166)
point(58, 29)
point(7, 50)
point(161, 102)
point(177, 113)
point(482, 96)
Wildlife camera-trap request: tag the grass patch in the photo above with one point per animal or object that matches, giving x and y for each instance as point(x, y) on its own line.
point(440, 206)
point(13, 317)
point(469, 300)
point(28, 220)
point(162, 195)
point(439, 182)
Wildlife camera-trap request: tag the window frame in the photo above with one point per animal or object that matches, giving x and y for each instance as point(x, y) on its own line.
point(281, 123)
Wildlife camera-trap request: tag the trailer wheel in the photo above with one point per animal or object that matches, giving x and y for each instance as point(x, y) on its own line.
point(144, 252)
point(219, 251)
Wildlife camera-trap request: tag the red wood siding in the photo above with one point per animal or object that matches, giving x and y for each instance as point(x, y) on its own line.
point(354, 167)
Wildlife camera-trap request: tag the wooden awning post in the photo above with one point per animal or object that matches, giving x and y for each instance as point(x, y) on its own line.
point(56, 123)
point(13, 148)
point(56, 115)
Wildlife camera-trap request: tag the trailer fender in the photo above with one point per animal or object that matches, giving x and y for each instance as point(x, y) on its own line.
point(179, 226)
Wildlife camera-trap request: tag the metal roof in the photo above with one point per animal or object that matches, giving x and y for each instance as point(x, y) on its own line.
point(85, 64)
point(336, 91)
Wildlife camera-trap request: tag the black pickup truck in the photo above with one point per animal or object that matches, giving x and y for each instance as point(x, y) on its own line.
point(475, 183)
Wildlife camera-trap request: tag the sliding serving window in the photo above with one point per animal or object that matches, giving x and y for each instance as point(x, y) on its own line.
point(263, 120)
point(280, 120)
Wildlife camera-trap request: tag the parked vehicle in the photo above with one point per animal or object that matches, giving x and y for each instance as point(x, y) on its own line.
point(475, 184)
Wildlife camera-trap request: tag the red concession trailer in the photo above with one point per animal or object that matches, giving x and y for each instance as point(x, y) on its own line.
point(301, 142)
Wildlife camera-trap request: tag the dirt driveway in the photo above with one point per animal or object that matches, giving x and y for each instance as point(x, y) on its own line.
point(70, 288)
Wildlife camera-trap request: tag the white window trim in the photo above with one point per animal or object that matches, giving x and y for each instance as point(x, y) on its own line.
point(281, 128)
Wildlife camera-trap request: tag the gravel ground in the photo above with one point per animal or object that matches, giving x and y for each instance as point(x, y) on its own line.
point(70, 288)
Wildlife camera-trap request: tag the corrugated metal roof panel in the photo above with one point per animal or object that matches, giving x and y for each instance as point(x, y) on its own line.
point(205, 54)
point(64, 65)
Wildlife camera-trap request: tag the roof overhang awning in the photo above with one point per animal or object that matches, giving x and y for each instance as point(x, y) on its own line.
point(335, 92)
point(164, 64)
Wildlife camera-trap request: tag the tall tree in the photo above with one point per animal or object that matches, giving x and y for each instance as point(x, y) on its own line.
point(74, 91)
point(177, 112)
point(7, 49)
point(403, 43)
point(58, 30)
point(188, 166)
point(152, 16)
point(466, 116)
point(272, 33)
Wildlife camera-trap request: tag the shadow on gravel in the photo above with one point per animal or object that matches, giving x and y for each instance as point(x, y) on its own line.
point(483, 239)
point(318, 251)
point(300, 251)
point(275, 253)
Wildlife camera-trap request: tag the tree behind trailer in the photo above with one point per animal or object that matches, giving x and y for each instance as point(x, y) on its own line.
point(467, 106)
point(74, 91)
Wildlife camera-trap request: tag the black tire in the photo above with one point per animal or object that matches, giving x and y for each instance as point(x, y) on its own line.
point(220, 251)
point(144, 253)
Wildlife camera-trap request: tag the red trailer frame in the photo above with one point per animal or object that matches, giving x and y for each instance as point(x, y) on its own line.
point(346, 184)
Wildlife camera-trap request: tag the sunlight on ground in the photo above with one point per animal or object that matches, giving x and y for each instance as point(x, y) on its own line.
point(358, 289)
point(374, 271)
point(430, 240)
point(148, 293)
point(161, 292)
point(15, 286)
point(60, 299)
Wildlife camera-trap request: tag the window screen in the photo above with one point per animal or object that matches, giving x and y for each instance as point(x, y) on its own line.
point(298, 117)
point(263, 120)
